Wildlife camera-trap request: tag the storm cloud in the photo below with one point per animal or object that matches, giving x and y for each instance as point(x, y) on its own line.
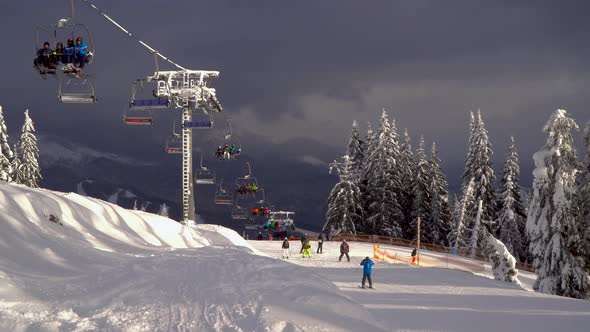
point(307, 69)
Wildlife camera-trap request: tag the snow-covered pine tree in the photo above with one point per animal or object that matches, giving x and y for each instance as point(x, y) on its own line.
point(503, 262)
point(467, 173)
point(15, 165)
point(458, 235)
point(554, 232)
point(368, 146)
point(422, 198)
point(406, 185)
point(440, 212)
point(384, 212)
point(28, 172)
point(163, 210)
point(512, 215)
point(6, 155)
point(355, 151)
point(583, 197)
point(478, 167)
point(477, 232)
point(344, 204)
point(135, 205)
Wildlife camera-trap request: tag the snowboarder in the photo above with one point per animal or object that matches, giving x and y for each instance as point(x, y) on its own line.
point(306, 249)
point(320, 243)
point(367, 264)
point(286, 248)
point(344, 250)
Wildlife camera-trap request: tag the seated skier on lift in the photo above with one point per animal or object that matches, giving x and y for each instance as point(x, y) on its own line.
point(44, 61)
point(219, 152)
point(232, 151)
point(226, 152)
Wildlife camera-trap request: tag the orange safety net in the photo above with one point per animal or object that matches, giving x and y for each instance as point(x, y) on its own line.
point(389, 256)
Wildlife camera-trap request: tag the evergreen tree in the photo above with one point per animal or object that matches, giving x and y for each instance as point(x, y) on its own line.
point(556, 244)
point(368, 146)
point(355, 152)
point(583, 197)
point(406, 185)
point(163, 210)
point(512, 215)
point(135, 205)
point(440, 212)
point(384, 212)
point(15, 165)
point(422, 198)
point(344, 204)
point(458, 235)
point(478, 167)
point(6, 155)
point(28, 172)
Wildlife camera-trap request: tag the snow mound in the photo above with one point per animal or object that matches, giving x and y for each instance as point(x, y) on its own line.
point(74, 263)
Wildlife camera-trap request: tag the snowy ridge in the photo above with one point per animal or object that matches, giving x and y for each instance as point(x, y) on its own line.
point(74, 263)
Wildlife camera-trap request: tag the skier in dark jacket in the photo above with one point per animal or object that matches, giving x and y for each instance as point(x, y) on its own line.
point(286, 248)
point(259, 236)
point(320, 243)
point(367, 264)
point(344, 250)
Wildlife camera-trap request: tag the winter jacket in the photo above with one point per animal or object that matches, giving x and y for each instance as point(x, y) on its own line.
point(344, 248)
point(320, 239)
point(306, 245)
point(286, 244)
point(367, 266)
point(81, 49)
point(414, 252)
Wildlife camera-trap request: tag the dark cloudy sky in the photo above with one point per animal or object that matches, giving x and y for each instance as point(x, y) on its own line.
point(307, 69)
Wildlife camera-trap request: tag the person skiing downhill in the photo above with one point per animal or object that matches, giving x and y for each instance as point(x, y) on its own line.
point(367, 264)
point(344, 249)
point(286, 248)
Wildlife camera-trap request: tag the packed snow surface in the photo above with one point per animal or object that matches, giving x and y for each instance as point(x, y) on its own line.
point(98, 267)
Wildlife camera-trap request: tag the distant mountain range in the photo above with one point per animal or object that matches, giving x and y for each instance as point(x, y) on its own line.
point(294, 176)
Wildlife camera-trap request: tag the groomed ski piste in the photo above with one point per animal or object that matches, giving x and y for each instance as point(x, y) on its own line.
point(99, 267)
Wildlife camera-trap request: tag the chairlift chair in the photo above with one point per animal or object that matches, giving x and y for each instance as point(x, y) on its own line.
point(247, 180)
point(202, 120)
point(204, 175)
point(138, 118)
point(76, 90)
point(64, 63)
point(174, 142)
point(143, 100)
point(239, 213)
point(223, 197)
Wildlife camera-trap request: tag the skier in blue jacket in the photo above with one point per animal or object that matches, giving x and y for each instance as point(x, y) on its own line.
point(367, 264)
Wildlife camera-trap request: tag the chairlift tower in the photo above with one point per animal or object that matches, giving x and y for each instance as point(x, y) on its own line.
point(188, 90)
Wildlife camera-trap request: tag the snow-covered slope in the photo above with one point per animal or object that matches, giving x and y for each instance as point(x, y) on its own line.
point(73, 263)
point(407, 298)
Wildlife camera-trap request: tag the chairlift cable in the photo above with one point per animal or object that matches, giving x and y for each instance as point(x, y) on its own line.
point(128, 33)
